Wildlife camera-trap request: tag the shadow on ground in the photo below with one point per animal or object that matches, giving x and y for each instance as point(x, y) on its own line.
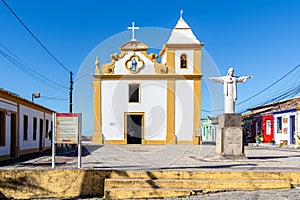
point(59, 153)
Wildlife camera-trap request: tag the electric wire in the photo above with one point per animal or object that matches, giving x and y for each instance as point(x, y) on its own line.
point(30, 72)
point(54, 98)
point(25, 67)
point(274, 83)
point(292, 85)
point(35, 37)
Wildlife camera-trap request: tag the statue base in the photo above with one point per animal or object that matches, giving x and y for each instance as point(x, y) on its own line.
point(229, 136)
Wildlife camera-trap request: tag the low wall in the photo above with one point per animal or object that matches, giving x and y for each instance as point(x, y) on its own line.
point(25, 184)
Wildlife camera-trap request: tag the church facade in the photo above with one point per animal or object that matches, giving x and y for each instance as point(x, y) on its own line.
point(138, 100)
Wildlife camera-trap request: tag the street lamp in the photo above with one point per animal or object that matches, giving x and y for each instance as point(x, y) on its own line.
point(35, 95)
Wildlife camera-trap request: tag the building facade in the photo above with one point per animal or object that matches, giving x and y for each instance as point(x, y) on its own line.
point(138, 100)
point(285, 126)
point(208, 129)
point(24, 126)
point(278, 120)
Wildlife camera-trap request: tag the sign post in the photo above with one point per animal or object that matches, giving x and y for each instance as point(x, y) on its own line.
point(53, 141)
point(68, 130)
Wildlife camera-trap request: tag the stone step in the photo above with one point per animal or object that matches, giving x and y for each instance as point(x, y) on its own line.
point(211, 175)
point(138, 193)
point(197, 184)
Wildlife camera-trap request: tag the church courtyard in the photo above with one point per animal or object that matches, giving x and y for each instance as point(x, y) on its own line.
point(167, 157)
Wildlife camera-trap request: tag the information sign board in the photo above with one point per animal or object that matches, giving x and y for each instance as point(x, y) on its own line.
point(68, 127)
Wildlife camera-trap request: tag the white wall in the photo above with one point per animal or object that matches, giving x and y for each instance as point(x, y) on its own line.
point(115, 104)
point(184, 109)
point(12, 107)
point(47, 140)
point(298, 123)
point(147, 69)
point(284, 136)
point(30, 143)
point(7, 106)
point(190, 61)
point(164, 58)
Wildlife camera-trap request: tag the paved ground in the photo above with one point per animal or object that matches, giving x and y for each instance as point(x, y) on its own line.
point(175, 157)
point(165, 157)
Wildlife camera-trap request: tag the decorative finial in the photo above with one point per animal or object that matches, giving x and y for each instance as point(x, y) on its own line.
point(97, 62)
point(181, 12)
point(97, 71)
point(133, 28)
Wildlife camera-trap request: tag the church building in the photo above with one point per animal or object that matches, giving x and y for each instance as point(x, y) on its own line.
point(138, 100)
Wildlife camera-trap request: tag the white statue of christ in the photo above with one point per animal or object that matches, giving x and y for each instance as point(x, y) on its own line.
point(229, 88)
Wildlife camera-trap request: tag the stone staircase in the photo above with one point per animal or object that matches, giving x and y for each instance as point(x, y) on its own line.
point(163, 184)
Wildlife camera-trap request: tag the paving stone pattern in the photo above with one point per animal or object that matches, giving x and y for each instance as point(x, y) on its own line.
point(176, 157)
point(166, 157)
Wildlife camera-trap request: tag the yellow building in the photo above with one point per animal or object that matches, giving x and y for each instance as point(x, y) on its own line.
point(138, 100)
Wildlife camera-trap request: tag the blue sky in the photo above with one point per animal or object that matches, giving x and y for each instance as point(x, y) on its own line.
point(256, 37)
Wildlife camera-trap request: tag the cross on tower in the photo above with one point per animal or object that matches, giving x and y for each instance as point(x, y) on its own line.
point(133, 28)
point(181, 13)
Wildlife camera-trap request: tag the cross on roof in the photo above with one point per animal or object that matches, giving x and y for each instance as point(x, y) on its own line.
point(133, 28)
point(181, 13)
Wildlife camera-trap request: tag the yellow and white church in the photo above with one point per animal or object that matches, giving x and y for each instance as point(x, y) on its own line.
point(138, 100)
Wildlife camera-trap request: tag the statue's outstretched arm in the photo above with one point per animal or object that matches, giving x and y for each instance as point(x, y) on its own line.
point(216, 79)
point(243, 78)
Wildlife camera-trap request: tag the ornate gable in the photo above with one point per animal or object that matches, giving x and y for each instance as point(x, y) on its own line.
point(133, 59)
point(134, 46)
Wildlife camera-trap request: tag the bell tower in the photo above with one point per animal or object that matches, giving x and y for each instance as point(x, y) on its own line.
point(182, 52)
point(182, 55)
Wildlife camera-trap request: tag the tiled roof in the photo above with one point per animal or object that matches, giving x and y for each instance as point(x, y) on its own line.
point(18, 97)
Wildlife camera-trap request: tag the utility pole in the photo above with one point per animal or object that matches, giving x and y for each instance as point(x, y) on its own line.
point(71, 91)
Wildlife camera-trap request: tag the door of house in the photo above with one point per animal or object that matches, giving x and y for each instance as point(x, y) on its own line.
point(293, 129)
point(268, 129)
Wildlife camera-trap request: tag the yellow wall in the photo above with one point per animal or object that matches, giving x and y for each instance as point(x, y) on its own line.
point(25, 184)
point(97, 137)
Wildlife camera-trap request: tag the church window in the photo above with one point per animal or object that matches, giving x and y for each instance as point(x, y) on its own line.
point(183, 61)
point(134, 93)
point(2, 128)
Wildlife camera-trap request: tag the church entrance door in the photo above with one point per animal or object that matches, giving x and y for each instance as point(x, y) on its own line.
point(134, 128)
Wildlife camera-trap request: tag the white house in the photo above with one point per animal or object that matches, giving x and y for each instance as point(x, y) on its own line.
point(24, 126)
point(286, 124)
point(138, 100)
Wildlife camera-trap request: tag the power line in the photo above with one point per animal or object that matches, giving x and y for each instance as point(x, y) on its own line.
point(54, 98)
point(292, 90)
point(26, 68)
point(35, 37)
point(274, 83)
point(29, 71)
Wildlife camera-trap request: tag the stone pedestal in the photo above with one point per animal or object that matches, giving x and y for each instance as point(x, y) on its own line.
point(229, 139)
